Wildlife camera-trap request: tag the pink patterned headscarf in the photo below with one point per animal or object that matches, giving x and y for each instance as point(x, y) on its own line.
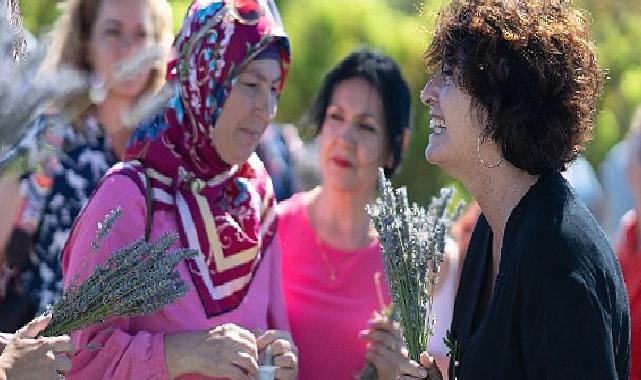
point(225, 211)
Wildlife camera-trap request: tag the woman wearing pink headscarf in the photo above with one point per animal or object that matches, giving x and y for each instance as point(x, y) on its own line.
point(193, 170)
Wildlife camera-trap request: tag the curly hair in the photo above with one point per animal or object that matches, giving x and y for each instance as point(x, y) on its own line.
point(532, 66)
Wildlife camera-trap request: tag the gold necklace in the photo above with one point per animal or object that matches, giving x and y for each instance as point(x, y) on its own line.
point(333, 275)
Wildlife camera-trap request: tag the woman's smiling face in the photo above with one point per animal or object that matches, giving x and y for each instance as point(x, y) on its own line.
point(455, 124)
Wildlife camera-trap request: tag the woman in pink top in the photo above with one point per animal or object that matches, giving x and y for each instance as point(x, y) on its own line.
point(330, 250)
point(192, 170)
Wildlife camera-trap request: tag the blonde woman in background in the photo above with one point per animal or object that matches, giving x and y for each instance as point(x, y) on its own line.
point(92, 36)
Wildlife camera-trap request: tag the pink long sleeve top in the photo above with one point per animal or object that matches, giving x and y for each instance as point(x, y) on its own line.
point(330, 295)
point(133, 348)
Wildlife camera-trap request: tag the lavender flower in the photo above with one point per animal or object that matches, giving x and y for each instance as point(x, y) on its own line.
point(106, 226)
point(413, 247)
point(138, 279)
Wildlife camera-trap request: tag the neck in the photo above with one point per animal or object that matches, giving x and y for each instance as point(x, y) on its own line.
point(340, 219)
point(498, 191)
point(109, 114)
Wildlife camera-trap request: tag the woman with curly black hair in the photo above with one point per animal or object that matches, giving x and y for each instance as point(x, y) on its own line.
point(512, 101)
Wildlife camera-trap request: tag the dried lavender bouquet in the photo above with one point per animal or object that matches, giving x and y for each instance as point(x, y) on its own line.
point(413, 247)
point(138, 279)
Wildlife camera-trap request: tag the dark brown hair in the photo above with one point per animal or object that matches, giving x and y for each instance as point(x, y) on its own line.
point(532, 66)
point(382, 73)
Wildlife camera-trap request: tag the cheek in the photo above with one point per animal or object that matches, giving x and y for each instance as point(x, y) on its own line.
point(102, 61)
point(232, 112)
point(324, 143)
point(372, 150)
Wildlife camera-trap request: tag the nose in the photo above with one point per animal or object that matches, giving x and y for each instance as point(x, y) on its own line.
point(265, 104)
point(428, 94)
point(346, 132)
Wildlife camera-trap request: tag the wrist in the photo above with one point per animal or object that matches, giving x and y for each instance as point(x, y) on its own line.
point(174, 358)
point(3, 367)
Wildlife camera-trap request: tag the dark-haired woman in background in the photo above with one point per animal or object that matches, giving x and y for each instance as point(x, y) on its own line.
point(330, 251)
point(512, 101)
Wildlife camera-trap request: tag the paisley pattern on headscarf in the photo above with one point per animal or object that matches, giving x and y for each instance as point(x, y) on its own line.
point(226, 212)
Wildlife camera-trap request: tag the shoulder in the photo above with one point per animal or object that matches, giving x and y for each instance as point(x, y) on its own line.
point(294, 207)
point(558, 239)
point(293, 222)
point(121, 186)
point(115, 191)
point(553, 216)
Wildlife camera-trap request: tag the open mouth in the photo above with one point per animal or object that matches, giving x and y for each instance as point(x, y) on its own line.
point(437, 125)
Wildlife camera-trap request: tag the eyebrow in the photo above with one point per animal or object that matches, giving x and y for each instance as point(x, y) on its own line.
point(360, 115)
point(261, 76)
point(112, 21)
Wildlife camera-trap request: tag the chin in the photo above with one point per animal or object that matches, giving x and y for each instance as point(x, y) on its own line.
point(341, 182)
point(240, 158)
point(431, 155)
point(129, 89)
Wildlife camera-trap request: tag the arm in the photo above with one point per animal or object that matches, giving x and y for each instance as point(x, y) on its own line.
point(10, 193)
point(284, 350)
point(569, 334)
point(277, 311)
point(111, 350)
point(27, 357)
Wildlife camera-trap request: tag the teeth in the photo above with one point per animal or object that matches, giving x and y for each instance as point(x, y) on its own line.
point(437, 125)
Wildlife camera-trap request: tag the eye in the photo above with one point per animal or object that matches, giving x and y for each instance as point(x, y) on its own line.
point(367, 127)
point(250, 84)
point(141, 35)
point(112, 32)
point(333, 115)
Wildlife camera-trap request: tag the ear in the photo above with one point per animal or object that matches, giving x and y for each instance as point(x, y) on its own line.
point(389, 162)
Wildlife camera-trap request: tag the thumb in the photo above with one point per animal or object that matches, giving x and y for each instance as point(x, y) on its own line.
point(33, 328)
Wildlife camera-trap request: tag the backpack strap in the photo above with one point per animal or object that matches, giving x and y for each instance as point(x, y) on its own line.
point(150, 207)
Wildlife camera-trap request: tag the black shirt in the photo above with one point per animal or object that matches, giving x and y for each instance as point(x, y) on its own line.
point(559, 308)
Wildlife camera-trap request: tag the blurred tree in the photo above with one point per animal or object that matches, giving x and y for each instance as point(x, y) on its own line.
point(323, 31)
point(38, 15)
point(616, 27)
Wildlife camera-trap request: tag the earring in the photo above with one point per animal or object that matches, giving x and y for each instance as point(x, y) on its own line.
point(488, 165)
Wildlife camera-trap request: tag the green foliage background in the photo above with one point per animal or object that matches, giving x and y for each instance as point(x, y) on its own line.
point(323, 31)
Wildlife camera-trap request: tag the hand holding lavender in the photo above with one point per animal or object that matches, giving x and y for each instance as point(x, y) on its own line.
point(413, 247)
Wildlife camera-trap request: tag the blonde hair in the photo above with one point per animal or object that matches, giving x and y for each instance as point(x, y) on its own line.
point(70, 36)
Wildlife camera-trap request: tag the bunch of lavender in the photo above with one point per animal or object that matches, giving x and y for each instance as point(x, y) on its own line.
point(138, 279)
point(413, 246)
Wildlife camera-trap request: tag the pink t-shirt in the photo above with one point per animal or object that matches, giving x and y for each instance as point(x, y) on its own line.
point(133, 348)
point(326, 315)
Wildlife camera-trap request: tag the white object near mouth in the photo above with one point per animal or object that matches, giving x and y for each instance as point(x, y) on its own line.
point(437, 125)
point(266, 372)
